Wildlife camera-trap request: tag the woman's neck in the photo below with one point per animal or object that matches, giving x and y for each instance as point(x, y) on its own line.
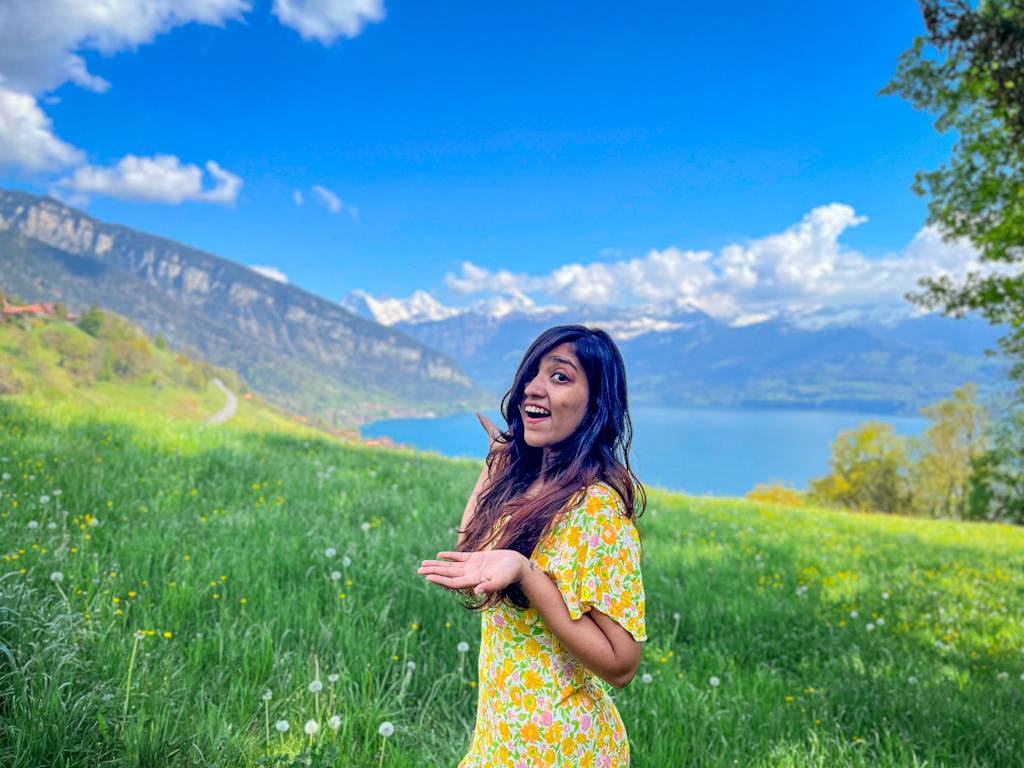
point(547, 458)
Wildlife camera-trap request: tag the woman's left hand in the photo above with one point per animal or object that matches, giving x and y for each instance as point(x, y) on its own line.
point(484, 571)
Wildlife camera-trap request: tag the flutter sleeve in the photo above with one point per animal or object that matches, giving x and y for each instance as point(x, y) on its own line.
point(598, 562)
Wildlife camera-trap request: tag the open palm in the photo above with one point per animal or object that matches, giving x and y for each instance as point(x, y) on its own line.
point(484, 571)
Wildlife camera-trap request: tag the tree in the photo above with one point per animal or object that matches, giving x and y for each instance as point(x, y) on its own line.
point(160, 342)
point(949, 448)
point(92, 321)
point(996, 489)
point(977, 89)
point(869, 471)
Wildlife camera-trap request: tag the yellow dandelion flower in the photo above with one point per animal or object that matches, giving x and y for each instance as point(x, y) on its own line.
point(167, 634)
point(242, 600)
point(216, 596)
point(415, 626)
point(131, 594)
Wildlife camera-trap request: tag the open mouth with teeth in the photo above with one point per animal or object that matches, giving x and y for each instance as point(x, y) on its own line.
point(535, 412)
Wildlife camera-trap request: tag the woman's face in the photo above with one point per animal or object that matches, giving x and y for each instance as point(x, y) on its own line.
point(555, 401)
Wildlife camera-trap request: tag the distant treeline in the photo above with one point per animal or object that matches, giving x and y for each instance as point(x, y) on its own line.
point(101, 346)
point(967, 465)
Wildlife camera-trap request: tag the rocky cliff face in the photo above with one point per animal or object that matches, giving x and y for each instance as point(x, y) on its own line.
point(283, 318)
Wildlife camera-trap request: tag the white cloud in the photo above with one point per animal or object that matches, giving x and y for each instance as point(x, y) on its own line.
point(328, 198)
point(272, 272)
point(40, 39)
point(297, 197)
point(27, 139)
point(799, 270)
point(327, 20)
point(161, 178)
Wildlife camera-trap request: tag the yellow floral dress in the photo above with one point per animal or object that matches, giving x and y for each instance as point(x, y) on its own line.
point(538, 705)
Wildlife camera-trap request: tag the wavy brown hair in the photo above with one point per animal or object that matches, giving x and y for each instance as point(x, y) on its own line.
point(597, 451)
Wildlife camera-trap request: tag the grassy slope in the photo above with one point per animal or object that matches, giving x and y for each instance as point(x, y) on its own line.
point(37, 365)
point(193, 519)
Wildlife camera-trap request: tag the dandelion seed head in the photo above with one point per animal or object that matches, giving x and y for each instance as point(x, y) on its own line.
point(462, 647)
point(33, 524)
point(56, 576)
point(7, 475)
point(676, 616)
point(854, 614)
point(869, 627)
point(330, 552)
point(334, 722)
point(386, 729)
point(51, 525)
point(365, 527)
point(646, 678)
point(411, 666)
point(885, 595)
point(880, 622)
point(281, 725)
point(346, 561)
point(316, 686)
point(268, 695)
point(715, 682)
point(311, 727)
point(333, 677)
point(57, 492)
point(912, 680)
point(335, 575)
point(43, 499)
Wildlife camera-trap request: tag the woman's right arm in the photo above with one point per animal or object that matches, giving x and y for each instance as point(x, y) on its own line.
point(481, 484)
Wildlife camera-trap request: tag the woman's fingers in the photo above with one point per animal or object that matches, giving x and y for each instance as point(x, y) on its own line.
point(457, 556)
point(452, 582)
point(489, 426)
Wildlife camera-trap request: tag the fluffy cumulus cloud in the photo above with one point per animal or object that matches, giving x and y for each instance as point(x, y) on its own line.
point(272, 272)
point(40, 39)
point(800, 270)
point(40, 49)
point(40, 42)
point(158, 179)
point(327, 20)
point(27, 140)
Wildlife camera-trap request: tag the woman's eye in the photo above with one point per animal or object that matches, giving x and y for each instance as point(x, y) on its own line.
point(563, 378)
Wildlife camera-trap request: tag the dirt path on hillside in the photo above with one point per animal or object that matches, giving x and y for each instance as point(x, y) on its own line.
point(230, 407)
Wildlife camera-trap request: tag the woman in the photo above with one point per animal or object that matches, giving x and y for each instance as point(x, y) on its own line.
point(549, 552)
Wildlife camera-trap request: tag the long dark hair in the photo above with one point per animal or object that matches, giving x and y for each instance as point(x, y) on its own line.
point(597, 450)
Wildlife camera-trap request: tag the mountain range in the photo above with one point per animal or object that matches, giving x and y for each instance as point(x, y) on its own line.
point(870, 359)
point(301, 350)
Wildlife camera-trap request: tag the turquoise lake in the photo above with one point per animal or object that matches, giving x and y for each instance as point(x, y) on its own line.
point(718, 452)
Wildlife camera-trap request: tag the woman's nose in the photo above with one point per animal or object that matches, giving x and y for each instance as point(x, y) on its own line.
point(534, 388)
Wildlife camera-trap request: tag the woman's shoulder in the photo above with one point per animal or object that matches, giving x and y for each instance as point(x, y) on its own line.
point(599, 499)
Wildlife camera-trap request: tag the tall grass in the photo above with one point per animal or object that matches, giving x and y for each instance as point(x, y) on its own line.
point(262, 561)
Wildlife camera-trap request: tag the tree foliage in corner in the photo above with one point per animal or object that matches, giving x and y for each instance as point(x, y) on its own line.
point(976, 88)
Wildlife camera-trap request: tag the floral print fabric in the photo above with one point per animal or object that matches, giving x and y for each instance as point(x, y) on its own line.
point(539, 706)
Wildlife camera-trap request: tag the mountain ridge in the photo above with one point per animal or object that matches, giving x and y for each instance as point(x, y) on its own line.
point(352, 356)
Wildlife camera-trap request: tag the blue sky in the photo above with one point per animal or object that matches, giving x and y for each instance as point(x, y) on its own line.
point(521, 137)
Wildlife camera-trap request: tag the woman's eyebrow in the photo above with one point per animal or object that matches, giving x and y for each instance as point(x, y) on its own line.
point(565, 360)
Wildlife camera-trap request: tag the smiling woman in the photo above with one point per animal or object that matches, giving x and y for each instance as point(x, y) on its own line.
point(548, 551)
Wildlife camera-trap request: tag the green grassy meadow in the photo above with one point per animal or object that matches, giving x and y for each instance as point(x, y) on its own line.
point(255, 560)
